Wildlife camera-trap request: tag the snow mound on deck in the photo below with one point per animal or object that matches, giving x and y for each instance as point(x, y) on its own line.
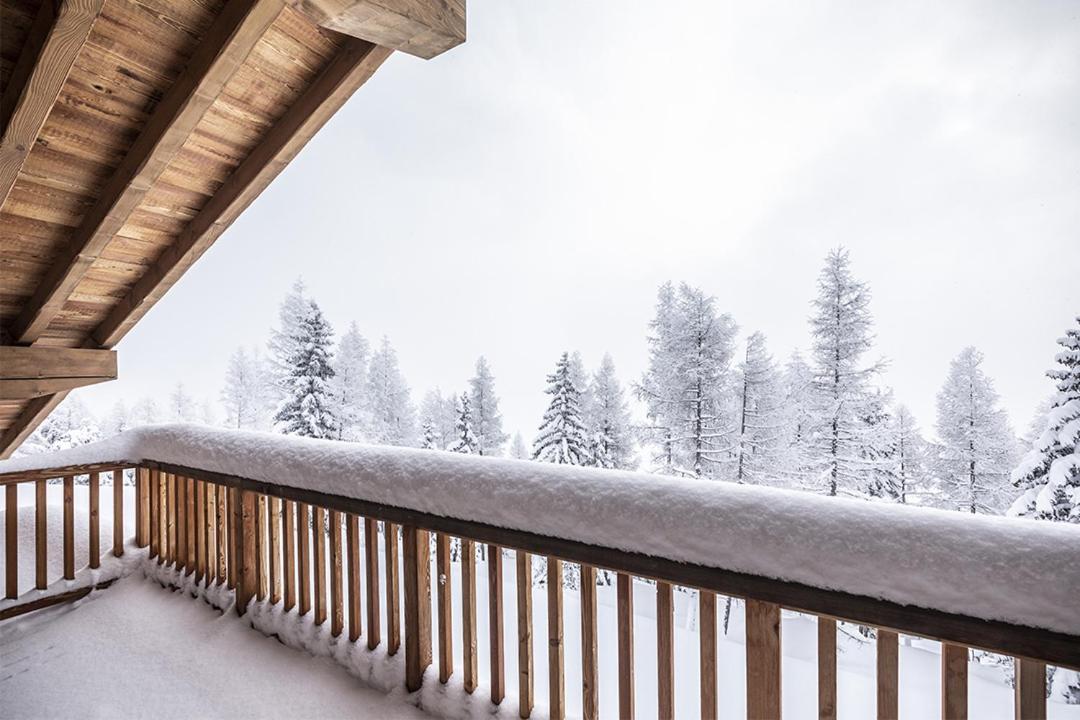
point(995, 568)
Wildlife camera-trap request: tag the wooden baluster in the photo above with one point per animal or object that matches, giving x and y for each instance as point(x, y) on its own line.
point(41, 535)
point(495, 623)
point(318, 540)
point(762, 660)
point(352, 540)
point(445, 592)
point(165, 501)
point(222, 560)
point(118, 512)
point(180, 548)
point(665, 650)
point(417, 571)
point(826, 653)
point(69, 528)
point(200, 530)
point(246, 584)
point(888, 678)
point(707, 654)
point(193, 526)
point(11, 541)
point(262, 585)
point(590, 691)
point(142, 507)
point(275, 550)
point(303, 554)
point(556, 648)
point(94, 536)
point(525, 633)
point(625, 618)
point(337, 612)
point(236, 522)
point(1030, 691)
point(210, 559)
point(954, 682)
point(371, 574)
point(468, 615)
point(288, 523)
point(155, 512)
point(393, 589)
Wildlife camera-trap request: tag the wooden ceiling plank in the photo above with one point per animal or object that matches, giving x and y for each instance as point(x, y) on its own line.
point(224, 49)
point(35, 363)
point(55, 40)
point(33, 414)
point(351, 67)
point(424, 28)
point(26, 389)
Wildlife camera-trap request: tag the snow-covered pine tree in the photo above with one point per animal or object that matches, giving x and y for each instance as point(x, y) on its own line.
point(428, 439)
point(243, 394)
point(282, 343)
point(486, 419)
point(518, 451)
point(607, 420)
point(393, 417)
point(181, 404)
point(907, 458)
point(467, 442)
point(441, 413)
point(841, 330)
point(348, 388)
point(1048, 476)
point(759, 429)
point(690, 349)
point(561, 438)
point(307, 409)
point(794, 464)
point(977, 445)
point(69, 425)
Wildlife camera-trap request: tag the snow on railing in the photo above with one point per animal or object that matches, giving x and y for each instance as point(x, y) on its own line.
point(1002, 584)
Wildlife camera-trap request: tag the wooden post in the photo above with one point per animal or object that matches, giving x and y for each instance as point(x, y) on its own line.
point(200, 530)
point(155, 512)
point(303, 553)
point(94, 537)
point(118, 512)
point(41, 535)
point(352, 540)
point(625, 618)
point(707, 654)
point(371, 574)
point(236, 531)
point(590, 691)
point(179, 549)
point(665, 650)
point(11, 541)
point(826, 654)
point(192, 525)
point(495, 623)
point(556, 648)
point(69, 528)
point(165, 504)
point(262, 584)
point(246, 581)
point(288, 529)
point(888, 675)
point(762, 660)
point(445, 593)
point(318, 543)
point(142, 507)
point(337, 606)
point(417, 570)
point(954, 682)
point(211, 533)
point(468, 614)
point(393, 589)
point(275, 550)
point(1030, 690)
point(525, 633)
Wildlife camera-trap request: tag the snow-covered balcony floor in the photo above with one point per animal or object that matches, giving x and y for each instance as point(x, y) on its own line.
point(138, 650)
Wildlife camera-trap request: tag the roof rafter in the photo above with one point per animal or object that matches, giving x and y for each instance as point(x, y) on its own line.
point(227, 44)
point(57, 35)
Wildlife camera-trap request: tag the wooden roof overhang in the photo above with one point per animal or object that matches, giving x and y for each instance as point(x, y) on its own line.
point(134, 133)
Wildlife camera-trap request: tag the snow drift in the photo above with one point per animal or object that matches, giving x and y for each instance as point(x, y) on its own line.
point(994, 568)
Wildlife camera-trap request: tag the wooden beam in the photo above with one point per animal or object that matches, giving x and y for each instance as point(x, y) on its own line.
point(424, 28)
point(351, 67)
point(39, 603)
point(56, 37)
point(31, 372)
point(33, 414)
point(220, 53)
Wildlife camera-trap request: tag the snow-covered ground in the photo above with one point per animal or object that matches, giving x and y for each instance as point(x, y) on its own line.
point(137, 649)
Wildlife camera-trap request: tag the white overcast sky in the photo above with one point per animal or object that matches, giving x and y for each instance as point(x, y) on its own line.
point(527, 192)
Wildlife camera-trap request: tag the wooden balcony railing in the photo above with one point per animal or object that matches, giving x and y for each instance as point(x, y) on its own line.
point(271, 541)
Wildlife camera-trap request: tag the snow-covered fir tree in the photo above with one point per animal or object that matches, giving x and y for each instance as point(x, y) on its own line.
point(977, 445)
point(145, 412)
point(428, 439)
point(518, 450)
point(690, 350)
point(440, 412)
point(245, 395)
point(878, 448)
point(71, 424)
point(840, 327)
point(486, 418)
point(561, 438)
point(307, 409)
point(467, 442)
point(181, 404)
point(1048, 475)
point(282, 343)
point(797, 416)
point(607, 420)
point(348, 388)
point(906, 478)
point(759, 424)
point(392, 416)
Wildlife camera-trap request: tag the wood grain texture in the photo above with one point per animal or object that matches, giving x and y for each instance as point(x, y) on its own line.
point(371, 575)
point(763, 699)
point(888, 675)
point(418, 27)
point(416, 554)
point(41, 534)
point(556, 641)
point(590, 674)
point(337, 600)
point(94, 538)
point(526, 679)
point(303, 556)
point(246, 582)
point(826, 661)
point(142, 507)
point(274, 520)
point(200, 530)
point(393, 588)
point(11, 541)
point(470, 676)
point(624, 614)
point(318, 559)
point(1030, 690)
point(69, 528)
point(211, 558)
point(665, 650)
point(954, 682)
point(118, 512)
point(262, 570)
point(444, 592)
point(707, 654)
point(352, 541)
point(496, 645)
point(288, 531)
